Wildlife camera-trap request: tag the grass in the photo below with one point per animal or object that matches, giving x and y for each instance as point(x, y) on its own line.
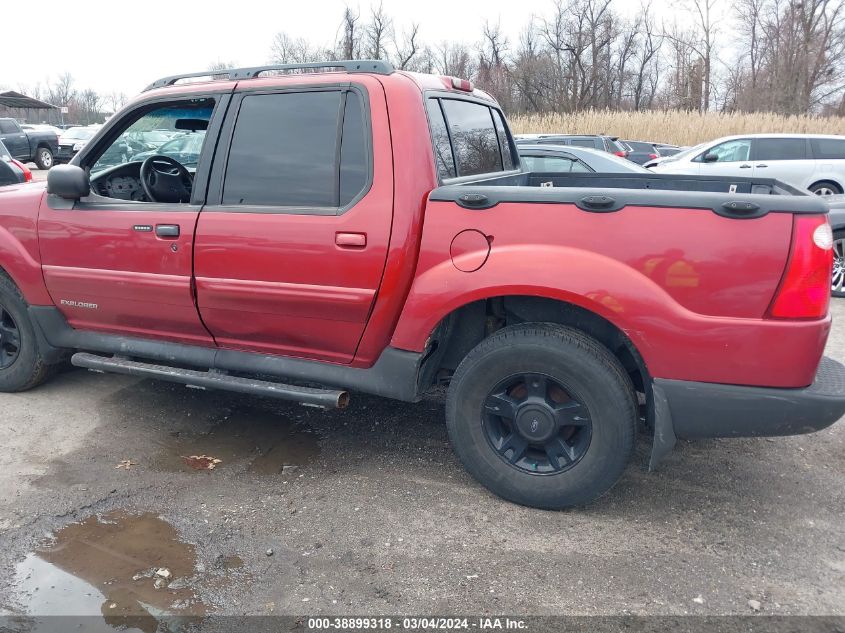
point(679, 128)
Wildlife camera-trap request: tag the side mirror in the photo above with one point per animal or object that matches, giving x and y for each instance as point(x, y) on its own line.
point(710, 157)
point(68, 181)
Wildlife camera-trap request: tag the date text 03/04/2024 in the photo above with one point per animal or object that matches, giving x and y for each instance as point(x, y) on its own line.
point(417, 623)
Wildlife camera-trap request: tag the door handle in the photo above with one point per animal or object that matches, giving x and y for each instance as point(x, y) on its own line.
point(745, 166)
point(761, 166)
point(167, 230)
point(350, 240)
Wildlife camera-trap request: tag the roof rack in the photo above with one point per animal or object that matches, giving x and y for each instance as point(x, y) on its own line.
point(375, 66)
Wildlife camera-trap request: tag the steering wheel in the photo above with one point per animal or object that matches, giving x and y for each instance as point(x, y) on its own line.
point(166, 180)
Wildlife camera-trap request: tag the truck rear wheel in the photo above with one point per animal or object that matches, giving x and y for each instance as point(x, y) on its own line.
point(21, 364)
point(542, 415)
point(44, 158)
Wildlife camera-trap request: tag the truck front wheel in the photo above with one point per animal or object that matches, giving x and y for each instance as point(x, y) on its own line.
point(21, 364)
point(542, 415)
point(44, 158)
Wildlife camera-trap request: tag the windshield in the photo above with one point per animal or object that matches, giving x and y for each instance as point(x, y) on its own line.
point(190, 143)
point(79, 134)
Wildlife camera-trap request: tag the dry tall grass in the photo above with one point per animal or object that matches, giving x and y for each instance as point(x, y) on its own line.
point(680, 128)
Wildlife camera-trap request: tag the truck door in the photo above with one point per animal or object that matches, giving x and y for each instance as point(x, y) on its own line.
point(15, 139)
point(292, 244)
point(120, 259)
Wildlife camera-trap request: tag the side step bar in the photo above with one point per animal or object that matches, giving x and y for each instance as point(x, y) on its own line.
point(213, 380)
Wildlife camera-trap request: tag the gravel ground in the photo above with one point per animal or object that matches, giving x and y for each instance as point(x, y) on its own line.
point(369, 511)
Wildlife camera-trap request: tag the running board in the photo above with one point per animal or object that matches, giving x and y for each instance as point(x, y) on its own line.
point(213, 379)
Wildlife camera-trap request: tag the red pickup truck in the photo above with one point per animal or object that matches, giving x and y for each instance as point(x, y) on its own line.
point(348, 226)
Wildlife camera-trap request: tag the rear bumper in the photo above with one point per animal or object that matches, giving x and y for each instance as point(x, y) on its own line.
point(701, 410)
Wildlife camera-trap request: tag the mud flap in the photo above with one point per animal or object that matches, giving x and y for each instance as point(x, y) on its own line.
point(664, 430)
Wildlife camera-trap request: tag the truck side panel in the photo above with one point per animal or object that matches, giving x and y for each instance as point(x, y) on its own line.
point(688, 287)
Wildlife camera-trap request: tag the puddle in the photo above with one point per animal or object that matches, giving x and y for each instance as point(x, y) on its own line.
point(270, 443)
point(105, 567)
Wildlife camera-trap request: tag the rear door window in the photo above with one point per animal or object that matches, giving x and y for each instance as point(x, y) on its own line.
point(588, 142)
point(8, 127)
point(639, 146)
point(354, 161)
point(474, 138)
point(828, 148)
point(779, 149)
point(440, 139)
point(508, 161)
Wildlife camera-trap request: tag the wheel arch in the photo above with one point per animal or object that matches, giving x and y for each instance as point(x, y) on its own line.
point(469, 324)
point(829, 180)
point(19, 266)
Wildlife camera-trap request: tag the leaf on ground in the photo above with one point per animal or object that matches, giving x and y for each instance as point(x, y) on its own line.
point(126, 464)
point(201, 462)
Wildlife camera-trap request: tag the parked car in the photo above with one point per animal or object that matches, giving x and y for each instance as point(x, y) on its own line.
point(601, 142)
point(407, 248)
point(38, 146)
point(43, 127)
point(73, 140)
point(12, 171)
point(574, 159)
point(668, 150)
point(813, 162)
point(641, 152)
point(185, 149)
point(836, 204)
point(151, 139)
point(684, 152)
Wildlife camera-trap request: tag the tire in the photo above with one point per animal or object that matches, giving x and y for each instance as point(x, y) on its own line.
point(597, 395)
point(825, 188)
point(21, 364)
point(837, 282)
point(44, 158)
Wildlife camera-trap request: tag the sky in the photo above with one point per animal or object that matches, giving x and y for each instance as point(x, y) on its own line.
point(114, 46)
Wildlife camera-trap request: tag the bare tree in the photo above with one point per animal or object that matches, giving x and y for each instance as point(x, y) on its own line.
point(410, 47)
point(378, 33)
point(646, 60)
point(789, 56)
point(288, 50)
point(61, 91)
point(89, 105)
point(699, 39)
point(114, 100)
point(349, 45)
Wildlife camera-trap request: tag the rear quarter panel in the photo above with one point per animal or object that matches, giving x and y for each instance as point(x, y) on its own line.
point(687, 286)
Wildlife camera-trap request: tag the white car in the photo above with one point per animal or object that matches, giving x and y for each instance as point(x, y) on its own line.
point(808, 161)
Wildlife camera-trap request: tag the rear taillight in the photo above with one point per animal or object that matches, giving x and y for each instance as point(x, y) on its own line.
point(653, 156)
point(27, 175)
point(804, 291)
point(621, 154)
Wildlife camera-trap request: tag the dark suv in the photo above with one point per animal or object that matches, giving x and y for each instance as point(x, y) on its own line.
point(593, 141)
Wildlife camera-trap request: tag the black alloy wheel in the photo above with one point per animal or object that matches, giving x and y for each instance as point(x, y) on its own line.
point(535, 424)
point(10, 339)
